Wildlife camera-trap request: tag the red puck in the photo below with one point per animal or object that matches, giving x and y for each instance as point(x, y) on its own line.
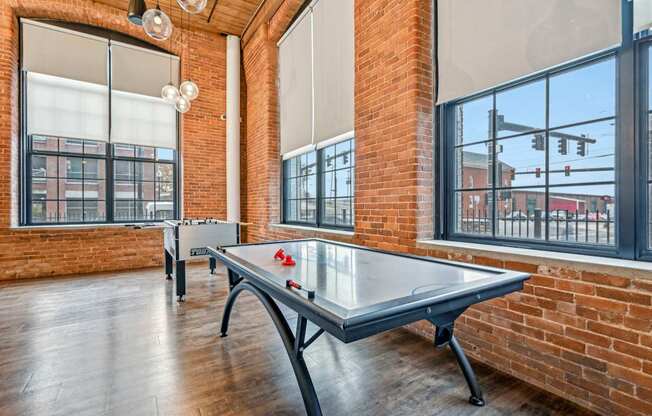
point(280, 254)
point(288, 261)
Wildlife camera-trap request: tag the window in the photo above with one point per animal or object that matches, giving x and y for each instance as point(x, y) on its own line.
point(143, 183)
point(536, 161)
point(318, 187)
point(68, 181)
point(99, 144)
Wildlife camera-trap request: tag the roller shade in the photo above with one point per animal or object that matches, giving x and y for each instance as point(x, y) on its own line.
point(138, 113)
point(142, 120)
point(295, 87)
point(486, 43)
point(141, 71)
point(334, 69)
point(66, 108)
point(642, 15)
point(51, 50)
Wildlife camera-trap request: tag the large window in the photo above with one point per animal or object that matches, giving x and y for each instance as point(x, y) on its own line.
point(560, 160)
point(69, 182)
point(536, 160)
point(318, 187)
point(98, 144)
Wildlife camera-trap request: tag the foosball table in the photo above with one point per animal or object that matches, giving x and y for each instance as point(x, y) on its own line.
point(187, 239)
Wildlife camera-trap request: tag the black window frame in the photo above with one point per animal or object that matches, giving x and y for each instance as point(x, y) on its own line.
point(25, 142)
point(632, 223)
point(319, 192)
point(109, 157)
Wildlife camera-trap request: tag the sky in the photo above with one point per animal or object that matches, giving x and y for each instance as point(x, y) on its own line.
point(575, 96)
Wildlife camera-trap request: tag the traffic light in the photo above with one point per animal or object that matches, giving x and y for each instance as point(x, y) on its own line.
point(581, 148)
point(538, 142)
point(562, 146)
point(567, 170)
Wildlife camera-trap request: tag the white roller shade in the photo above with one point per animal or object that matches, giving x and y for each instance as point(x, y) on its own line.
point(63, 53)
point(141, 71)
point(334, 68)
point(138, 113)
point(67, 108)
point(295, 87)
point(142, 120)
point(642, 15)
point(486, 43)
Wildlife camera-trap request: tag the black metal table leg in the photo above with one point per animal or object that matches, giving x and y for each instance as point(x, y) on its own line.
point(294, 346)
point(212, 264)
point(234, 279)
point(168, 264)
point(180, 274)
point(476, 394)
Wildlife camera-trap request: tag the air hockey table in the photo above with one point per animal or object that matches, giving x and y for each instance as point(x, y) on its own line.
point(354, 292)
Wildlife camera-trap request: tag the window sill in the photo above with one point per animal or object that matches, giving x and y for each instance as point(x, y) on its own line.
point(598, 264)
point(313, 229)
point(137, 225)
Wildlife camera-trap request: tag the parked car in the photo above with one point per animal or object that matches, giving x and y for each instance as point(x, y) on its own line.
point(557, 215)
point(516, 215)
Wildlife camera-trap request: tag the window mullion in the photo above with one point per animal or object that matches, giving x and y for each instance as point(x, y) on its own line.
point(319, 191)
point(494, 167)
point(626, 177)
point(546, 192)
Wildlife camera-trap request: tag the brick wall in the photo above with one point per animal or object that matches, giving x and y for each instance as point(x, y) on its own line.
point(580, 331)
point(44, 252)
point(575, 330)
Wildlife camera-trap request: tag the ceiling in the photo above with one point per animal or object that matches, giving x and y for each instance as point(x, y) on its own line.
point(229, 16)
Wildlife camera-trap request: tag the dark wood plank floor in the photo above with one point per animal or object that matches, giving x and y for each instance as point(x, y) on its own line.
point(119, 344)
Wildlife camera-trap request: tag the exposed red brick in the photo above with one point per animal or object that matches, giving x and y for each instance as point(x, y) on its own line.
point(638, 351)
point(613, 331)
point(583, 383)
point(565, 342)
point(601, 304)
point(605, 279)
point(614, 357)
point(644, 407)
point(576, 287)
point(540, 280)
point(588, 337)
point(554, 294)
point(584, 360)
point(628, 296)
point(636, 377)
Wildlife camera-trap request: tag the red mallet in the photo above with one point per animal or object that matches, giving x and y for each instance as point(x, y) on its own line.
point(292, 284)
point(280, 254)
point(288, 261)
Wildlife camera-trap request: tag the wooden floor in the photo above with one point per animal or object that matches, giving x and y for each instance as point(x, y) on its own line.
point(119, 344)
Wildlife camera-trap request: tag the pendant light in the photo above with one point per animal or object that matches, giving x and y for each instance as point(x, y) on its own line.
point(189, 89)
point(157, 24)
point(193, 6)
point(170, 92)
point(136, 10)
point(182, 104)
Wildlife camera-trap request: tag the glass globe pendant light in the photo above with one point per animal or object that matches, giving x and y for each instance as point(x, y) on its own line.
point(189, 89)
point(170, 93)
point(182, 105)
point(193, 6)
point(157, 24)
